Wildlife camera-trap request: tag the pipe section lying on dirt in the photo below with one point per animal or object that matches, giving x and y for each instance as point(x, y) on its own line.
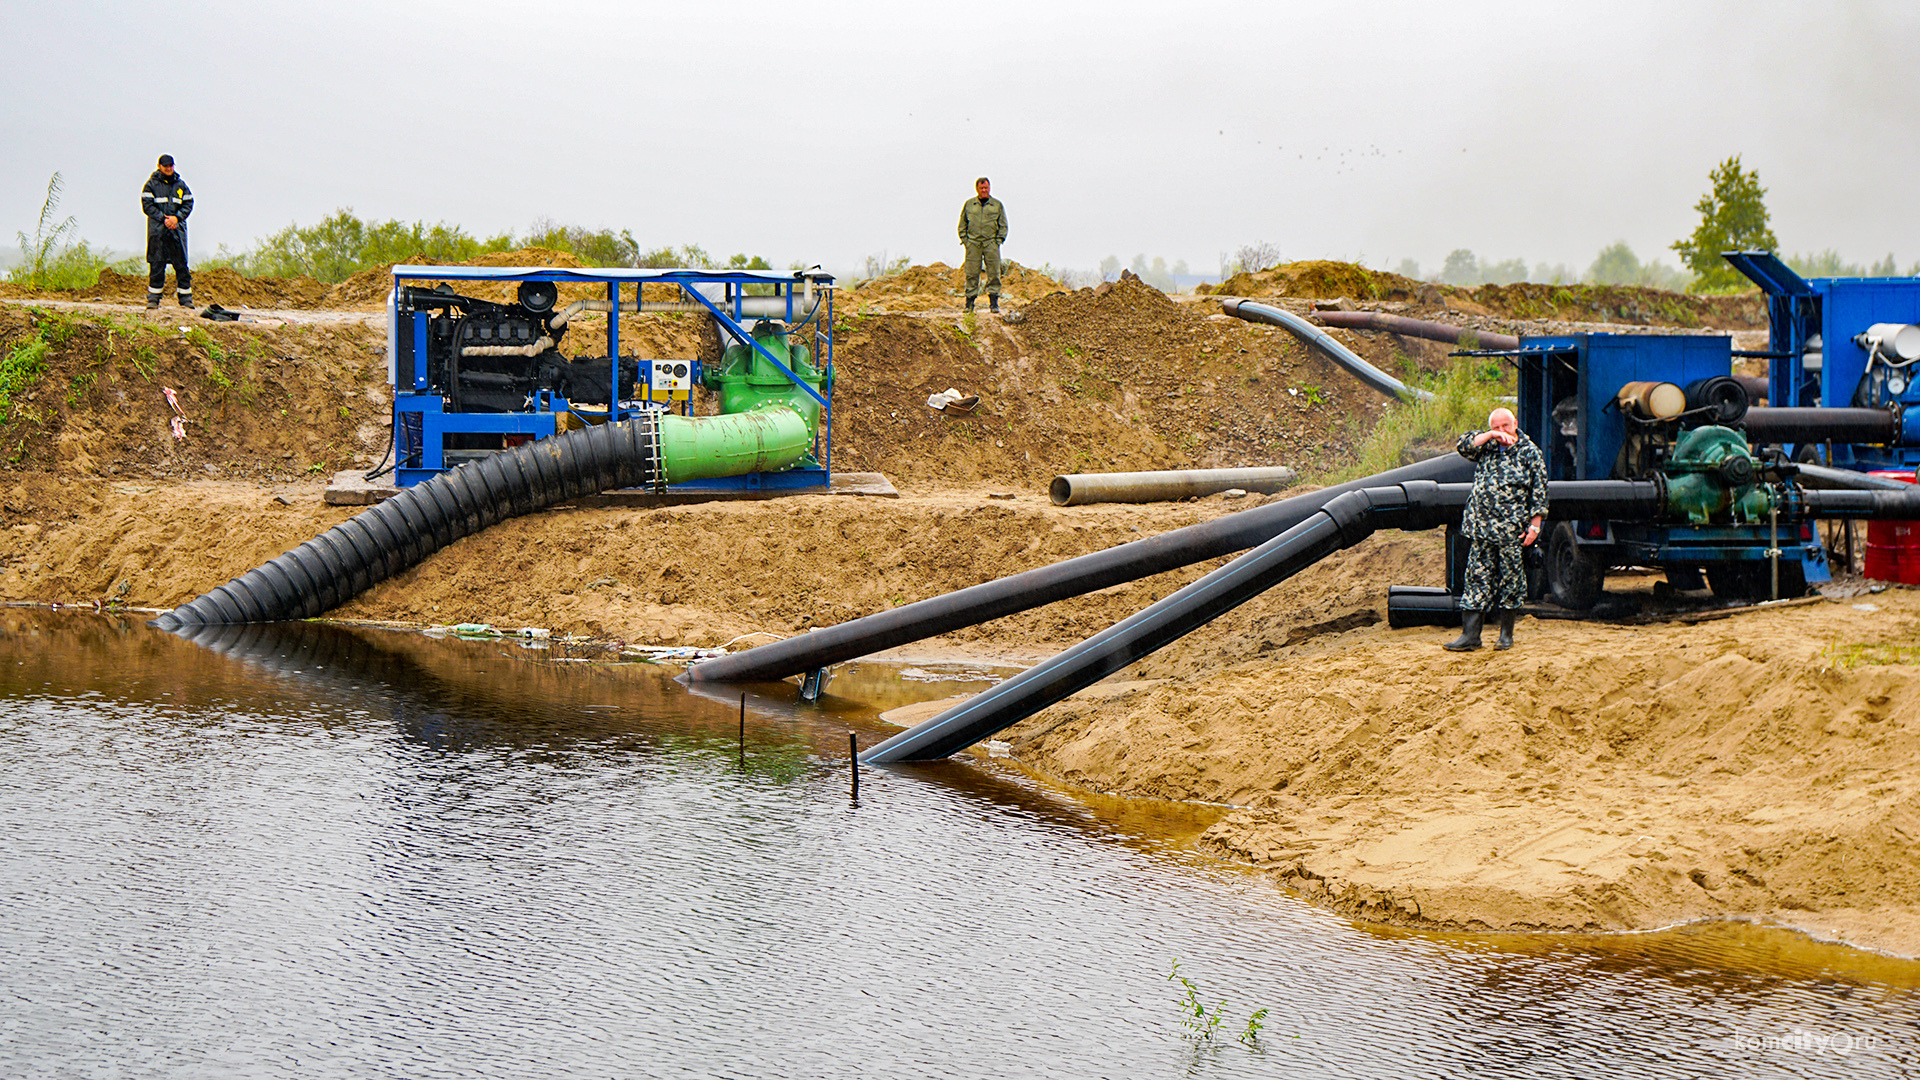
point(393, 536)
point(1043, 585)
point(1341, 523)
point(1079, 489)
point(1420, 328)
point(1320, 339)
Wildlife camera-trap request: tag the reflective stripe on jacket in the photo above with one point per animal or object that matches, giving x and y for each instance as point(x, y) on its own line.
point(164, 197)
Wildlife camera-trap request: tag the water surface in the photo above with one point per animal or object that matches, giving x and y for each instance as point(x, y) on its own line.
point(310, 851)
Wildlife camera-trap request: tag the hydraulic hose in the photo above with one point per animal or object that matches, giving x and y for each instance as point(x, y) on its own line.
point(1044, 585)
point(1340, 523)
point(1420, 328)
point(651, 450)
point(1320, 339)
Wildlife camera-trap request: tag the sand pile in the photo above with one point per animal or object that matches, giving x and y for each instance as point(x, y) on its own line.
point(1595, 778)
point(939, 287)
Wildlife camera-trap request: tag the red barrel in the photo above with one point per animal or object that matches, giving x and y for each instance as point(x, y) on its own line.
point(1893, 547)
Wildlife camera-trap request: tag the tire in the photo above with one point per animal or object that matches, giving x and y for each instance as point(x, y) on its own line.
point(1574, 577)
point(1732, 581)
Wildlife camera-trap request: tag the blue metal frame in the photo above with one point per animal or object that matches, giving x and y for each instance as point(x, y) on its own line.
point(420, 414)
point(1591, 368)
point(1834, 310)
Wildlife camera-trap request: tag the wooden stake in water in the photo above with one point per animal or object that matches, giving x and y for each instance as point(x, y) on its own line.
point(853, 761)
point(743, 731)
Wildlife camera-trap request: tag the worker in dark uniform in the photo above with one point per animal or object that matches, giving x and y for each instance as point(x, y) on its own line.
point(1504, 512)
point(166, 200)
point(983, 227)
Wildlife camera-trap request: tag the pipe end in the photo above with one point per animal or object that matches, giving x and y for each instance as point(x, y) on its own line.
point(1060, 491)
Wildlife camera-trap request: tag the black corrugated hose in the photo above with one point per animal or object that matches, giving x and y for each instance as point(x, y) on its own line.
point(399, 533)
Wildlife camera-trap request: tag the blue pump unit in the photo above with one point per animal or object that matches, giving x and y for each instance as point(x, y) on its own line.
point(1723, 529)
point(474, 376)
point(1843, 343)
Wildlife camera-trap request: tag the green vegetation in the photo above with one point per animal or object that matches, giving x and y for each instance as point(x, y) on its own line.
point(1829, 264)
point(343, 245)
point(1848, 657)
point(51, 258)
point(1463, 395)
point(1202, 1022)
point(1733, 217)
point(20, 368)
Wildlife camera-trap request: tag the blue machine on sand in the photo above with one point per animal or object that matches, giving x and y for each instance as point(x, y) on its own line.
point(474, 376)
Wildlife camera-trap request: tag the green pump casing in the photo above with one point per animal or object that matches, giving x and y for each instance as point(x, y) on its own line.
point(1711, 473)
point(745, 380)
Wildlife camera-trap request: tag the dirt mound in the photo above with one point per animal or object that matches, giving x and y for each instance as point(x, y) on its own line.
point(216, 285)
point(1624, 304)
point(1628, 304)
point(266, 403)
point(939, 287)
point(1324, 279)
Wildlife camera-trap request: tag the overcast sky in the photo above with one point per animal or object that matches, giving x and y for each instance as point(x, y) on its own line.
point(829, 131)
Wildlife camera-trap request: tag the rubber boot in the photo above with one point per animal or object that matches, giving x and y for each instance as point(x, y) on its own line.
point(969, 303)
point(1469, 639)
point(1506, 631)
point(993, 304)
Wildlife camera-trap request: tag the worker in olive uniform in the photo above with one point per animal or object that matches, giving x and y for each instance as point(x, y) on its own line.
point(1504, 511)
point(983, 226)
point(166, 200)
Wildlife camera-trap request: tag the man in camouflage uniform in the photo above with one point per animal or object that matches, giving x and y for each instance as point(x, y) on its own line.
point(983, 227)
point(1504, 513)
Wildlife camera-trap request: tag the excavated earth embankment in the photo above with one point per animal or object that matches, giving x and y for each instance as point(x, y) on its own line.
point(1598, 777)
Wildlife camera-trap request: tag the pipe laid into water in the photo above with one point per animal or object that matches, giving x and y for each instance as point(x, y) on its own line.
point(1320, 339)
point(1420, 328)
point(1043, 585)
point(1079, 489)
point(1341, 523)
point(390, 537)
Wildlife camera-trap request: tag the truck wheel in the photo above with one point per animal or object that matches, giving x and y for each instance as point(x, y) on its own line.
point(1574, 577)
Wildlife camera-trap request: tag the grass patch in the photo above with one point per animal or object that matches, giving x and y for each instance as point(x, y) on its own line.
point(1883, 654)
point(20, 368)
point(1463, 395)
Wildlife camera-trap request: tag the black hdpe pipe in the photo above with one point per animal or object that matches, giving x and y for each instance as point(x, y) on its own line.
point(1341, 523)
point(1043, 585)
point(399, 533)
point(1420, 328)
point(1812, 425)
point(1333, 350)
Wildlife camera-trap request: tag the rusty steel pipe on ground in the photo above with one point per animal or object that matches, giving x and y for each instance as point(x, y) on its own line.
point(1420, 328)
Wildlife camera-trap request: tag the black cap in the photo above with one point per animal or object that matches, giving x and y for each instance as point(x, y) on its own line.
point(166, 159)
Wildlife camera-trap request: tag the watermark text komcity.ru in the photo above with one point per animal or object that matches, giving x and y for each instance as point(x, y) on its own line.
point(1840, 1044)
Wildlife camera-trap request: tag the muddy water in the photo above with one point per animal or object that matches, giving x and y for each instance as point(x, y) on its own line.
point(315, 852)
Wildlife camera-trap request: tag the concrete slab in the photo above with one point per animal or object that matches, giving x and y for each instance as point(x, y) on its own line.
point(351, 488)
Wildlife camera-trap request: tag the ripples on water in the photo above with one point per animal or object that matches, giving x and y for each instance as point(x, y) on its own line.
point(315, 852)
